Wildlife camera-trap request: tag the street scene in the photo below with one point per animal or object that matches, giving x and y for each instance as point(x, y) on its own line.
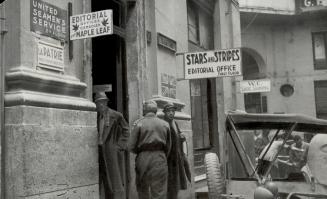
point(163, 99)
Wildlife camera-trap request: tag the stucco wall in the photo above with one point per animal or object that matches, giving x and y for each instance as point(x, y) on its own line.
point(268, 6)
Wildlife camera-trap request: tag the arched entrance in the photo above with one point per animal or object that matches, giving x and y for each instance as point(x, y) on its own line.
point(253, 68)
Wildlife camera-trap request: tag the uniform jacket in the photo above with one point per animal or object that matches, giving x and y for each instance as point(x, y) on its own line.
point(116, 161)
point(149, 130)
point(178, 166)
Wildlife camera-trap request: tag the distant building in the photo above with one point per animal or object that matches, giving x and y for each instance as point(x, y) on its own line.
point(49, 143)
point(286, 41)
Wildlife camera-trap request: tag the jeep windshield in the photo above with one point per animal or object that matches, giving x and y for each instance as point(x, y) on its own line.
point(278, 146)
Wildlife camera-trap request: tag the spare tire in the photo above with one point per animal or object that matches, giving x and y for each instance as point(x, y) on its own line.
point(215, 181)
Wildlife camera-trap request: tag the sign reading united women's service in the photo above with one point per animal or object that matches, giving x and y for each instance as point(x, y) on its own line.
point(211, 64)
point(49, 20)
point(91, 24)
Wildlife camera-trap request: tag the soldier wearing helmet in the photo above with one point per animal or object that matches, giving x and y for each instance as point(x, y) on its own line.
point(150, 140)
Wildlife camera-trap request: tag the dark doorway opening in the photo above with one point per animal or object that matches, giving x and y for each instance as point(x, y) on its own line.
point(109, 59)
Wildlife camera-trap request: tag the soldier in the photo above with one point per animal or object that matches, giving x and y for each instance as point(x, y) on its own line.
point(113, 156)
point(151, 142)
point(178, 167)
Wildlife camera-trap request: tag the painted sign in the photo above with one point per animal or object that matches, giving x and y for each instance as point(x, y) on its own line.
point(211, 64)
point(50, 56)
point(311, 3)
point(91, 24)
point(255, 86)
point(166, 42)
point(168, 85)
point(47, 19)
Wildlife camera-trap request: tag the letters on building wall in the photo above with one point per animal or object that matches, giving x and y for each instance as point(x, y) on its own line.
point(48, 20)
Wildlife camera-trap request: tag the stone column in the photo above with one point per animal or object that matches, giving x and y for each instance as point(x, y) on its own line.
point(50, 129)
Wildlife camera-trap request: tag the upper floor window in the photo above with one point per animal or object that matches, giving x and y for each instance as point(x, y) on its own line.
point(319, 50)
point(200, 24)
point(193, 23)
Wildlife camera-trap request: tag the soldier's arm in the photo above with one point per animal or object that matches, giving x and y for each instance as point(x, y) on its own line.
point(132, 143)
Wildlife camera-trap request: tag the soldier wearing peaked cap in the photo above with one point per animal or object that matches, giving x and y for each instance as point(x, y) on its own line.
point(150, 140)
point(113, 134)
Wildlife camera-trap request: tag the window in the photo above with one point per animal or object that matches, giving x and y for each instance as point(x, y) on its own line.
point(319, 41)
point(321, 99)
point(193, 24)
point(200, 24)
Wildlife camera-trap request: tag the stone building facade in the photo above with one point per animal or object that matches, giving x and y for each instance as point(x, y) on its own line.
point(49, 141)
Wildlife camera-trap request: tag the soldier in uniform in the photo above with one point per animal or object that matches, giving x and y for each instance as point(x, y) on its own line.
point(178, 166)
point(150, 140)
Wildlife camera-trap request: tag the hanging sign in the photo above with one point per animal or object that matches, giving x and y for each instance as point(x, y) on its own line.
point(50, 56)
point(102, 88)
point(47, 19)
point(91, 25)
point(255, 86)
point(211, 64)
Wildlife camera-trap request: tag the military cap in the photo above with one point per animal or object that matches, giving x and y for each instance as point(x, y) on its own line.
point(169, 106)
point(100, 96)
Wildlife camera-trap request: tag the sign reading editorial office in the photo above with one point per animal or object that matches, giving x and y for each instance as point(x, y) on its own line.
point(47, 19)
point(210, 64)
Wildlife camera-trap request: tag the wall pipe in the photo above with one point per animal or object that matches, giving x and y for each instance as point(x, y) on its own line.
point(3, 31)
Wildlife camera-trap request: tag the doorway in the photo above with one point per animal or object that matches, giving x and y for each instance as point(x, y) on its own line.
point(254, 102)
point(109, 59)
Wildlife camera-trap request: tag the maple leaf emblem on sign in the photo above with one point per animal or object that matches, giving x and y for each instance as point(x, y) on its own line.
point(75, 27)
point(104, 22)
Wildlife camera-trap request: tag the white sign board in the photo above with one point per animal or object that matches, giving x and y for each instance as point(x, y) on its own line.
point(102, 88)
point(255, 86)
point(209, 64)
point(50, 56)
point(91, 24)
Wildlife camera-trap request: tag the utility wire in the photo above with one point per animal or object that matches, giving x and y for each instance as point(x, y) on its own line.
point(250, 23)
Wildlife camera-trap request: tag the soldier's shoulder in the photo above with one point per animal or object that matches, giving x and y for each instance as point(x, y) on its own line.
point(138, 121)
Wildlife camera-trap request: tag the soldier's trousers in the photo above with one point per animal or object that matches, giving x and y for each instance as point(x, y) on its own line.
point(151, 175)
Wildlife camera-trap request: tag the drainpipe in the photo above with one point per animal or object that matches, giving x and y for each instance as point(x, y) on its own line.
point(3, 31)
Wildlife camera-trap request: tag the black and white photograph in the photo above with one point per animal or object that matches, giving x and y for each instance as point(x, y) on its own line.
point(163, 99)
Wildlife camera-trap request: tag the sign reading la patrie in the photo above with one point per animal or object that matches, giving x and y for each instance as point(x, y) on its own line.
point(211, 64)
point(47, 19)
point(91, 24)
point(50, 56)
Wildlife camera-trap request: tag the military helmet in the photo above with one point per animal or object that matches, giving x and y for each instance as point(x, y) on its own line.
point(150, 106)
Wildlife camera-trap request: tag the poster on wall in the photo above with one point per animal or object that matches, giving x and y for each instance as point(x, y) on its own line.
point(91, 24)
point(210, 64)
point(47, 19)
